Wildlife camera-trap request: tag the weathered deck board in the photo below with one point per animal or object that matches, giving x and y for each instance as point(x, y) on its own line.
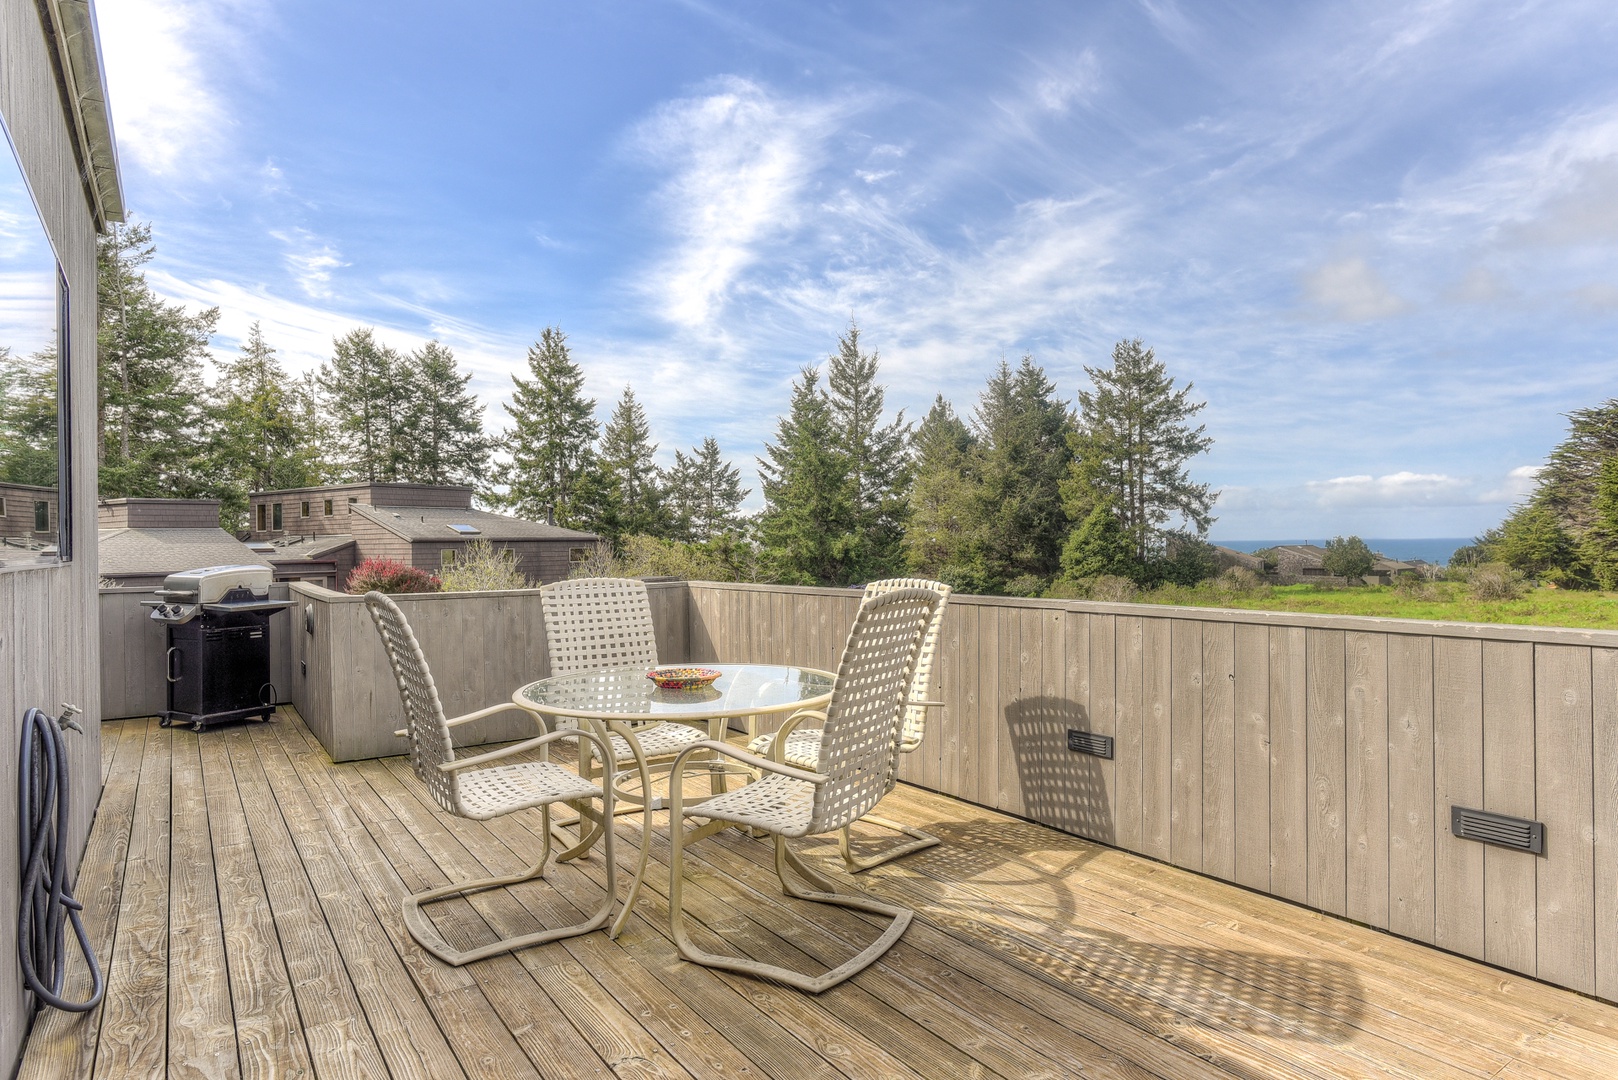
point(1033, 954)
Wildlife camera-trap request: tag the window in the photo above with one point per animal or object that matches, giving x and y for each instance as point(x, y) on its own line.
point(42, 516)
point(446, 558)
point(275, 518)
point(577, 555)
point(263, 517)
point(466, 530)
point(303, 508)
point(327, 508)
point(2, 506)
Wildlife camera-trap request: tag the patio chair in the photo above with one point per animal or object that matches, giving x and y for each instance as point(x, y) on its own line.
point(801, 745)
point(465, 788)
point(859, 729)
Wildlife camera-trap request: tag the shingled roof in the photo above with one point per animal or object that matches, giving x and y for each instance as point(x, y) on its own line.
point(144, 553)
point(434, 523)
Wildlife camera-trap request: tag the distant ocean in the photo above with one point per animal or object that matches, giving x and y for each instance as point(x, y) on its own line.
point(1428, 549)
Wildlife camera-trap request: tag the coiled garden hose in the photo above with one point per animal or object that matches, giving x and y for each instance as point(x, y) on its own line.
point(47, 887)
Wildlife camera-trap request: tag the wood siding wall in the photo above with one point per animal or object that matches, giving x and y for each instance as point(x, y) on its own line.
point(133, 647)
point(480, 646)
point(1314, 758)
point(48, 640)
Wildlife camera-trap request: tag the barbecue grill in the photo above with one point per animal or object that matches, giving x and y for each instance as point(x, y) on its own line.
point(218, 657)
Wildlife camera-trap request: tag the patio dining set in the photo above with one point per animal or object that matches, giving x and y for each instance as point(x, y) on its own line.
point(639, 745)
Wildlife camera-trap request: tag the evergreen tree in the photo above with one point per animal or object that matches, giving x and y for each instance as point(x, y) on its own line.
point(943, 529)
point(877, 463)
point(1562, 532)
point(705, 493)
point(260, 441)
point(1099, 546)
point(1131, 446)
point(28, 433)
point(553, 431)
point(365, 395)
point(149, 357)
point(444, 421)
point(804, 528)
point(627, 458)
point(1022, 435)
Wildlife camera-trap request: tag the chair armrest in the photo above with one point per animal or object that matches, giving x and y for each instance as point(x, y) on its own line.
point(516, 748)
point(925, 704)
point(404, 733)
point(778, 745)
point(724, 748)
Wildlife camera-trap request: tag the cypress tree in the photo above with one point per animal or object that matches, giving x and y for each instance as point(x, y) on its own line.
point(942, 529)
point(1131, 447)
point(804, 527)
point(446, 443)
point(552, 435)
point(877, 463)
point(628, 459)
point(365, 395)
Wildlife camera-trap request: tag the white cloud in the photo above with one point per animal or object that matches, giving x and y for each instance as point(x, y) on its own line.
point(1067, 82)
point(310, 261)
point(1350, 289)
point(1517, 485)
point(740, 159)
point(170, 115)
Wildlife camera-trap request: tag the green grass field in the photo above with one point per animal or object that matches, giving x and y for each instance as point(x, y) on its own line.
point(1445, 600)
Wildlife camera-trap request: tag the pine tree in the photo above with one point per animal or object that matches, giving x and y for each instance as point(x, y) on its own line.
point(260, 439)
point(1099, 546)
point(942, 530)
point(1131, 447)
point(627, 457)
point(877, 462)
point(149, 357)
point(444, 421)
point(1022, 457)
point(804, 528)
point(553, 431)
point(705, 493)
point(365, 395)
point(28, 432)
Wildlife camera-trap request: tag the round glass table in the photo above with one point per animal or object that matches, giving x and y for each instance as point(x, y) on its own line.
point(627, 695)
point(624, 700)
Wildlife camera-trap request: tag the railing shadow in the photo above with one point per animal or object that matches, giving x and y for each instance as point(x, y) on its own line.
point(1021, 889)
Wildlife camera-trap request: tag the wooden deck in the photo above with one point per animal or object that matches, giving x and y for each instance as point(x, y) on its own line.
point(246, 892)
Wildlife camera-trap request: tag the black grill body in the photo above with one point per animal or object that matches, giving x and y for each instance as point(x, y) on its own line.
point(219, 668)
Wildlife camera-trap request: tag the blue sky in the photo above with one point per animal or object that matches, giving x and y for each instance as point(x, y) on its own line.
point(1381, 238)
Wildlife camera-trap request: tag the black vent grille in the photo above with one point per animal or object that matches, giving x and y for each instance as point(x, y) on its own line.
point(1088, 742)
point(1518, 834)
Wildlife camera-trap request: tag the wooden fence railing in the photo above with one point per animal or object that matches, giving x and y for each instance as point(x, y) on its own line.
point(1315, 758)
point(1312, 757)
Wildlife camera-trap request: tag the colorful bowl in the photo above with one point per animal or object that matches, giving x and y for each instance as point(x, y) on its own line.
point(683, 678)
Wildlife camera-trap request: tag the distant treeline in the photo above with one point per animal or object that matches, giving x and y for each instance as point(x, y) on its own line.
point(1027, 493)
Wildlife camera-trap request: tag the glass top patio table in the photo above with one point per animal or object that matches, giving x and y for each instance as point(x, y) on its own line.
point(626, 694)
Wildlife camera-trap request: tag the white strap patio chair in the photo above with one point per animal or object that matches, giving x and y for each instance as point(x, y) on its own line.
point(800, 746)
point(599, 623)
point(465, 788)
point(859, 729)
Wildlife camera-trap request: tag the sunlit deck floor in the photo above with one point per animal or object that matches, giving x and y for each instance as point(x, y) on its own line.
point(247, 894)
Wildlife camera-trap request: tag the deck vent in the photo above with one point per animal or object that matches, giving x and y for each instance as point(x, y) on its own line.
point(1516, 833)
point(1088, 742)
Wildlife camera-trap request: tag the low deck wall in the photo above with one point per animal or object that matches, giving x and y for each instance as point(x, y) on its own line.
point(480, 646)
point(1314, 758)
point(1311, 757)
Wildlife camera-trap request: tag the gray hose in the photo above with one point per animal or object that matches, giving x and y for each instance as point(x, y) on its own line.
point(47, 887)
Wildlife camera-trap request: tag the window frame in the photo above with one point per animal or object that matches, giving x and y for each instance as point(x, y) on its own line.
point(327, 508)
point(277, 517)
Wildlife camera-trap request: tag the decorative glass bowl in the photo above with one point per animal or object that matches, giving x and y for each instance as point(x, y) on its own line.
point(682, 678)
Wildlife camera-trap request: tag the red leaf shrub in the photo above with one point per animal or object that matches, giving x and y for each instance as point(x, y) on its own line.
point(391, 576)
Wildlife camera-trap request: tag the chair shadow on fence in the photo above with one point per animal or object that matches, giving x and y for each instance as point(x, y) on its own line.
point(1060, 787)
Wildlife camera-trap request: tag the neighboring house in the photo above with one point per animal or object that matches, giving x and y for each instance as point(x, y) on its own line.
point(417, 524)
point(142, 541)
point(28, 518)
point(1307, 562)
point(1226, 558)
